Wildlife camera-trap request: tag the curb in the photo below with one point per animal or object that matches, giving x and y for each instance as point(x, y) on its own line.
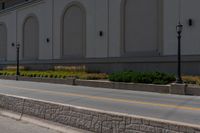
point(166, 89)
point(124, 86)
point(92, 120)
point(68, 81)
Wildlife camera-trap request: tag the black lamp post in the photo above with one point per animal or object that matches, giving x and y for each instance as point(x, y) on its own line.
point(179, 29)
point(17, 71)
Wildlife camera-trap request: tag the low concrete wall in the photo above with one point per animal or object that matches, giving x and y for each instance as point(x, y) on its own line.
point(193, 90)
point(124, 86)
point(68, 81)
point(178, 89)
point(90, 119)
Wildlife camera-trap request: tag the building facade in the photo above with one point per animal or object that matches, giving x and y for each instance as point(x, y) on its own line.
point(104, 35)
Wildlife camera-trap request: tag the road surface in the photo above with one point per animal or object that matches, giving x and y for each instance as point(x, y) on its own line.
point(162, 106)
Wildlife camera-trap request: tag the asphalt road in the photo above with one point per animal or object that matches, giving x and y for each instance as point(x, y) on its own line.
point(163, 106)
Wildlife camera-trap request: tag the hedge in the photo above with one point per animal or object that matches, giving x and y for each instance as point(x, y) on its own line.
point(142, 77)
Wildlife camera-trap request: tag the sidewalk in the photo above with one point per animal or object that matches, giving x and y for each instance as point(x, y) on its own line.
point(31, 125)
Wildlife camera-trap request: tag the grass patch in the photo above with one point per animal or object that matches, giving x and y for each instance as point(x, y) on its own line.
point(57, 74)
point(142, 77)
point(192, 79)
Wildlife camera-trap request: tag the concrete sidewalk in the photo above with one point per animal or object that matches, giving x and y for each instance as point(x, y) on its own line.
point(12, 123)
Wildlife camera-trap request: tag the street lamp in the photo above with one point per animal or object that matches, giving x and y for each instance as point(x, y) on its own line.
point(17, 52)
point(179, 29)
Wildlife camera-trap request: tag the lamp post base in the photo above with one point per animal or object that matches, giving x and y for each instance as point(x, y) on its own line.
point(179, 81)
point(177, 88)
point(17, 77)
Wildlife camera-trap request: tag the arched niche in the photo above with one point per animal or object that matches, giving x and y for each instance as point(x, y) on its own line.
point(140, 27)
point(3, 41)
point(31, 38)
point(73, 31)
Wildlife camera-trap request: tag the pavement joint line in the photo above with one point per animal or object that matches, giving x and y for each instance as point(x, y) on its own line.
point(105, 98)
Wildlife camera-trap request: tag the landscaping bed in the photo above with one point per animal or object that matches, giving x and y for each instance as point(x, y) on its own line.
point(126, 76)
point(128, 80)
point(193, 80)
point(56, 74)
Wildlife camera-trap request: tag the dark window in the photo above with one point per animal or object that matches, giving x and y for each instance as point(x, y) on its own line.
point(11, 3)
point(3, 5)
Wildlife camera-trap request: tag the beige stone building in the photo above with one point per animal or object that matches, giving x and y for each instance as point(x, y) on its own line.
point(104, 35)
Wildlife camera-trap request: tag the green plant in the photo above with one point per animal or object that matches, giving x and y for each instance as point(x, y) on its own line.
point(62, 74)
point(142, 77)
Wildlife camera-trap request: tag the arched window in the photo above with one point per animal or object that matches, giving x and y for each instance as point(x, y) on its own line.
point(73, 32)
point(140, 27)
point(31, 38)
point(3, 42)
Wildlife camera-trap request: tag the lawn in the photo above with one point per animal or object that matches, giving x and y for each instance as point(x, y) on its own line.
point(192, 80)
point(57, 74)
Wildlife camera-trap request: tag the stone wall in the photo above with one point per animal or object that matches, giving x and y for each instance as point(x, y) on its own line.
point(91, 120)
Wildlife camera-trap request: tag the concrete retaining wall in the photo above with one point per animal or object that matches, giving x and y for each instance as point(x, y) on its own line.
point(92, 120)
point(67, 81)
point(193, 90)
point(124, 86)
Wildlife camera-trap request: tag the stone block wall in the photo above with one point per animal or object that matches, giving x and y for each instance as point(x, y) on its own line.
point(90, 119)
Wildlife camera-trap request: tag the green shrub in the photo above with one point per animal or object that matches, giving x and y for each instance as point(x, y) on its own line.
point(142, 77)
